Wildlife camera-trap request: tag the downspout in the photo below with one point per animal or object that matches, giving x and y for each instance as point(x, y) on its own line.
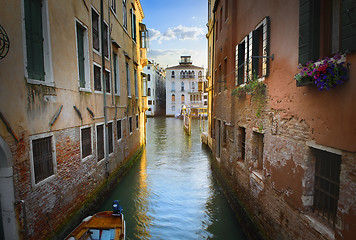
point(106, 139)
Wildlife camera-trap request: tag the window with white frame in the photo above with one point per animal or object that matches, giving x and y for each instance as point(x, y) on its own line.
point(97, 77)
point(107, 81)
point(113, 5)
point(86, 142)
point(43, 160)
point(106, 40)
point(118, 129)
point(116, 74)
point(130, 125)
point(82, 56)
point(95, 29)
point(124, 12)
point(37, 55)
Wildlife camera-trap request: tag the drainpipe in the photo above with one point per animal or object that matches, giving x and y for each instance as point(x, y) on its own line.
point(106, 139)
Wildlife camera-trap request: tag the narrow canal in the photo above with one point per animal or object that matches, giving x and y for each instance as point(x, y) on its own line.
point(170, 193)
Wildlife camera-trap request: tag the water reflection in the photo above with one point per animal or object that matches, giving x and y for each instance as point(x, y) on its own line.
point(170, 192)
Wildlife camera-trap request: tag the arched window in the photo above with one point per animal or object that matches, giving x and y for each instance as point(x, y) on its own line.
point(200, 74)
point(149, 77)
point(182, 98)
point(185, 74)
point(173, 98)
point(181, 74)
point(173, 76)
point(193, 74)
point(182, 86)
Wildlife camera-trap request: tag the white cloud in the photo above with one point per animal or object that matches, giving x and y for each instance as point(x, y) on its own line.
point(180, 33)
point(171, 57)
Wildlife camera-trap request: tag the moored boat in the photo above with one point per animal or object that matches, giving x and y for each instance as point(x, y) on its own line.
point(108, 225)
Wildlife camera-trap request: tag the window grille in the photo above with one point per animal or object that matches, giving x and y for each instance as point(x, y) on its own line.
point(42, 158)
point(327, 184)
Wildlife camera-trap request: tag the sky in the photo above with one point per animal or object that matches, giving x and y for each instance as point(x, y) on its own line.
point(176, 28)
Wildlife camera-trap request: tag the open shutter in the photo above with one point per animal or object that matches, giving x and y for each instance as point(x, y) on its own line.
point(265, 46)
point(348, 26)
point(255, 52)
point(34, 39)
point(237, 64)
point(246, 59)
point(309, 30)
point(240, 51)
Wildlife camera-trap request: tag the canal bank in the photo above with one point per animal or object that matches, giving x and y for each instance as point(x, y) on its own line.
point(90, 206)
point(170, 193)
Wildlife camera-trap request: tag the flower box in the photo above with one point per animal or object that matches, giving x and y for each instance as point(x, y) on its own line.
point(305, 81)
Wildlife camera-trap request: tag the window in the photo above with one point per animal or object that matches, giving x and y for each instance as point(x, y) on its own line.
point(242, 142)
point(128, 80)
point(136, 84)
point(95, 29)
point(327, 184)
point(106, 40)
point(173, 87)
point(143, 36)
point(173, 98)
point(137, 121)
point(113, 5)
point(110, 137)
point(97, 78)
point(118, 130)
point(133, 24)
point(42, 148)
point(258, 150)
point(182, 98)
point(173, 76)
point(252, 54)
point(224, 134)
point(325, 28)
point(107, 81)
point(86, 142)
point(82, 56)
point(240, 62)
point(149, 102)
point(149, 92)
point(38, 56)
point(116, 74)
point(182, 87)
point(148, 77)
point(130, 125)
point(124, 12)
point(100, 142)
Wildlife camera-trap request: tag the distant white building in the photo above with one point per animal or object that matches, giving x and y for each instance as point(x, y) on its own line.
point(155, 89)
point(184, 87)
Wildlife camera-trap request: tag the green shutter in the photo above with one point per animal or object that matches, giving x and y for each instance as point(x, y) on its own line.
point(80, 51)
point(309, 30)
point(34, 39)
point(348, 26)
point(240, 62)
point(255, 52)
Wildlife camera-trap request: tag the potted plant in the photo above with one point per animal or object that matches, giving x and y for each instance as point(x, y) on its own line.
point(325, 74)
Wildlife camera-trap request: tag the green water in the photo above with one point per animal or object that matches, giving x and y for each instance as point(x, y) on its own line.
point(170, 193)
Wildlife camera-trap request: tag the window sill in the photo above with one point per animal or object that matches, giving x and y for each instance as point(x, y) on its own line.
point(87, 157)
point(88, 90)
point(39, 82)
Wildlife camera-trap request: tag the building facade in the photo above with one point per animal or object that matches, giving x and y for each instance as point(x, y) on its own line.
point(71, 107)
point(155, 89)
point(283, 138)
point(182, 87)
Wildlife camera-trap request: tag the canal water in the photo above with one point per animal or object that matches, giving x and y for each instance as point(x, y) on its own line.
point(170, 193)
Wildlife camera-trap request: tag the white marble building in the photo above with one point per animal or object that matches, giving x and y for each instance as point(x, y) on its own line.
point(182, 87)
